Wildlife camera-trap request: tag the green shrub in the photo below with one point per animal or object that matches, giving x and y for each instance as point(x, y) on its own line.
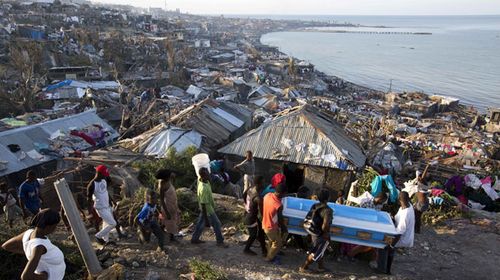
point(179, 162)
point(365, 180)
point(206, 271)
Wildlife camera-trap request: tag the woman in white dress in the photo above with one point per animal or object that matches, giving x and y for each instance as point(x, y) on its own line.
point(45, 260)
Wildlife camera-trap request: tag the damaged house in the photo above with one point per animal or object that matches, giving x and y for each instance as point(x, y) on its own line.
point(218, 122)
point(42, 146)
point(304, 143)
point(206, 125)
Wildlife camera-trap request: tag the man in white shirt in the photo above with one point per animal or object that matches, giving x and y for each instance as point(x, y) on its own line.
point(405, 226)
point(97, 191)
point(405, 222)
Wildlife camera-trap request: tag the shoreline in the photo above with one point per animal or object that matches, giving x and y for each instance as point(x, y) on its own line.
point(479, 109)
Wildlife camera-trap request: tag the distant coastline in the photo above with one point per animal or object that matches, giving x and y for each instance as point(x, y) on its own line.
point(432, 64)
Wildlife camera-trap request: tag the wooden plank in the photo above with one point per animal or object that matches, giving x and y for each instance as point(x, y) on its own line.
point(93, 160)
point(77, 227)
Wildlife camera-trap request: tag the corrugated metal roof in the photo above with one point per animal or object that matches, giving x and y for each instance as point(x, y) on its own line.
point(241, 112)
point(261, 91)
point(27, 136)
point(217, 126)
point(228, 117)
point(294, 135)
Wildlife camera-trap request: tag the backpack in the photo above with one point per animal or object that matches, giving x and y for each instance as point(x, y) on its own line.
point(313, 221)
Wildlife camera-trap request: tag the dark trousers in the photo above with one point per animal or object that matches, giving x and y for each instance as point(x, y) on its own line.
point(384, 259)
point(418, 220)
point(258, 233)
point(152, 227)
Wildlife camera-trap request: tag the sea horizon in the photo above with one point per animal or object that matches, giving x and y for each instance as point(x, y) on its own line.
point(460, 58)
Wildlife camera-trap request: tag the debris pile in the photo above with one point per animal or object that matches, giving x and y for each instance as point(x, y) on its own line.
point(137, 90)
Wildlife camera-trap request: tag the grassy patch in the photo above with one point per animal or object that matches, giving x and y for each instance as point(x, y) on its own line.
point(205, 270)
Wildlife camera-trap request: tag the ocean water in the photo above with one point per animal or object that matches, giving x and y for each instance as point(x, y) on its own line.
point(460, 59)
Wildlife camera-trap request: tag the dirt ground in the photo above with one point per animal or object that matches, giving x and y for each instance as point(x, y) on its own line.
point(458, 249)
point(462, 249)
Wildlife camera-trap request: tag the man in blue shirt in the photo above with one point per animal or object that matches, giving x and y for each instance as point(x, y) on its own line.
point(29, 194)
point(147, 223)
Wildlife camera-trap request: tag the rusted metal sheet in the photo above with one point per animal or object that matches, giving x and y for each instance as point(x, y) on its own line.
point(292, 137)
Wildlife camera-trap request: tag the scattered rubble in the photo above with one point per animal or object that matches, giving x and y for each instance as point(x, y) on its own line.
point(83, 85)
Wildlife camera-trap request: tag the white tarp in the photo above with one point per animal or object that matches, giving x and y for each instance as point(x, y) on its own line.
point(95, 84)
point(177, 138)
point(195, 91)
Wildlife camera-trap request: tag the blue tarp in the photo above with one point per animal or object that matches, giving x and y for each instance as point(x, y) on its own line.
point(389, 182)
point(58, 85)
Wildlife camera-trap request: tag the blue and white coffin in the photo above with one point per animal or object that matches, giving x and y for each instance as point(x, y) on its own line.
point(353, 225)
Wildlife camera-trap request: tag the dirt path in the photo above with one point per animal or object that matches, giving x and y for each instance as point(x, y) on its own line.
point(461, 249)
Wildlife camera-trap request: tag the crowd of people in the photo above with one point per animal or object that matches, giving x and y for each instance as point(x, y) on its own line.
point(263, 219)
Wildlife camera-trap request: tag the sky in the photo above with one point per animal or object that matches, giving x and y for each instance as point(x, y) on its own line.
point(323, 7)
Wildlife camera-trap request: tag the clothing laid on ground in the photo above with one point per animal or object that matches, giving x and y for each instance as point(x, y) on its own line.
point(455, 185)
point(52, 262)
point(171, 216)
point(29, 193)
point(84, 136)
point(405, 225)
point(204, 193)
point(270, 212)
point(103, 209)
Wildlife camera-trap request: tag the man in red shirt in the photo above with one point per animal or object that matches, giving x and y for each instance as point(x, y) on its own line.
point(273, 223)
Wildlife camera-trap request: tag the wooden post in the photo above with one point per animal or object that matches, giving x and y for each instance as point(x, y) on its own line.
point(77, 226)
